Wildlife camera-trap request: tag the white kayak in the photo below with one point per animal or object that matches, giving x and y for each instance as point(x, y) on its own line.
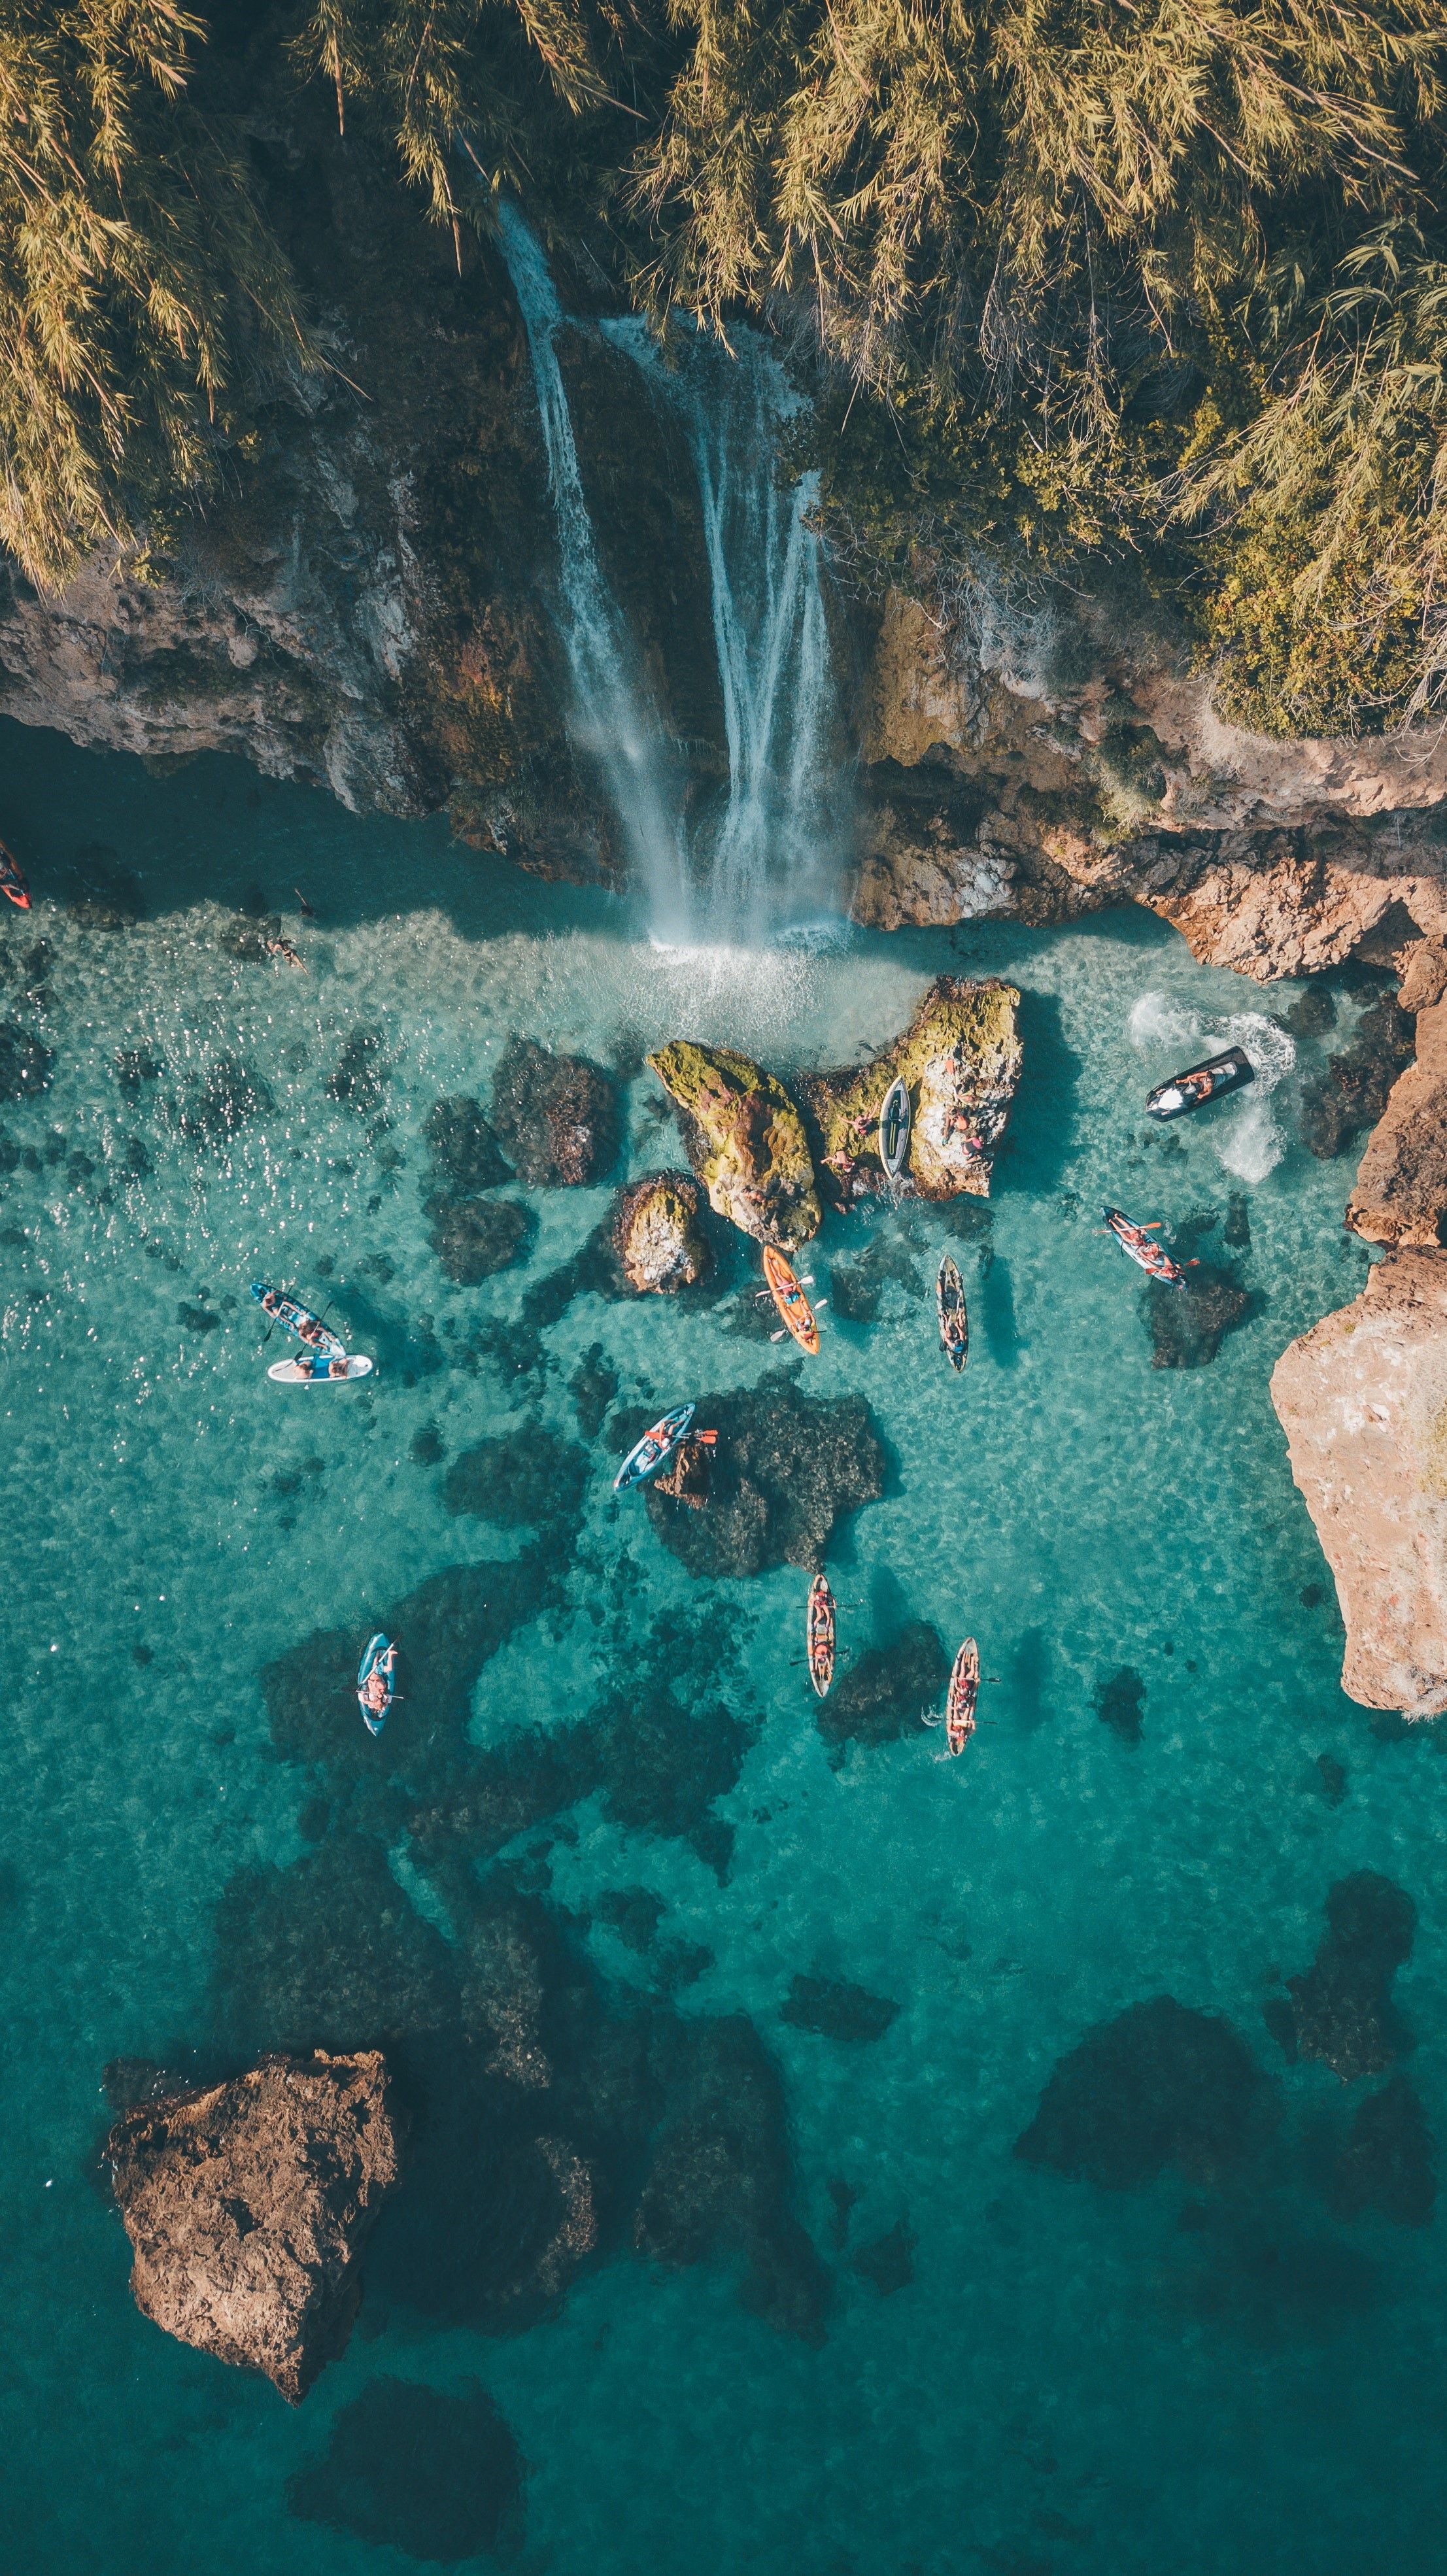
point(321, 1372)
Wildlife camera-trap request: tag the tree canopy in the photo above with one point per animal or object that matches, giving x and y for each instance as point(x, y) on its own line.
point(1076, 278)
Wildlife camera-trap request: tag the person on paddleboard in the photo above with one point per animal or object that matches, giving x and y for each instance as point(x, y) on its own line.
point(375, 1691)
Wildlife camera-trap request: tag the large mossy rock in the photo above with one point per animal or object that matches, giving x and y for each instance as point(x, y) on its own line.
point(745, 1139)
point(656, 1235)
point(960, 1058)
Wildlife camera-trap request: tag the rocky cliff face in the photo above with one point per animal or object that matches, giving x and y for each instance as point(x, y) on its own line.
point(1362, 1398)
point(247, 2206)
point(365, 603)
point(1048, 767)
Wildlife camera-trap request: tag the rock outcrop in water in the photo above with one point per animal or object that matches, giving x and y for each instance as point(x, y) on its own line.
point(657, 1236)
point(555, 1115)
point(1341, 2010)
point(1159, 2085)
point(248, 2205)
point(786, 1467)
point(745, 1140)
point(1362, 1399)
point(1400, 1196)
point(1049, 764)
point(960, 1058)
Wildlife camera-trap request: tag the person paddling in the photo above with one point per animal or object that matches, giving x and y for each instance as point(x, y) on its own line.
point(376, 1690)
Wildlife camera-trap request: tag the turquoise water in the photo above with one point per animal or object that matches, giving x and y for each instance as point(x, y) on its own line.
point(1076, 2379)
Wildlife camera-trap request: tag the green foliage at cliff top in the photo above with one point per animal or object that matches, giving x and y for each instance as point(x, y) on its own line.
point(1087, 279)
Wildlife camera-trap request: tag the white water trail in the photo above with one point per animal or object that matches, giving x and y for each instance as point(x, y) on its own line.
point(614, 718)
point(1246, 1135)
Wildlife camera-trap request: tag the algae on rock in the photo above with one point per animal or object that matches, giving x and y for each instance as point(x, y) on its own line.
point(656, 1235)
point(745, 1139)
point(960, 1061)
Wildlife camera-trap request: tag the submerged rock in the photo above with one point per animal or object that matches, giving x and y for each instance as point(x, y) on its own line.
point(474, 1238)
point(1353, 1091)
point(656, 1234)
point(230, 1095)
point(519, 1477)
point(786, 1467)
point(888, 2263)
point(1341, 2009)
point(25, 1065)
point(555, 1115)
point(745, 1140)
point(435, 2474)
point(960, 1058)
point(1400, 1195)
point(464, 1149)
point(247, 2206)
point(1119, 1700)
point(1159, 2085)
point(833, 2009)
point(856, 1287)
point(359, 1081)
point(1187, 1325)
point(881, 1697)
point(1386, 2163)
point(1361, 1400)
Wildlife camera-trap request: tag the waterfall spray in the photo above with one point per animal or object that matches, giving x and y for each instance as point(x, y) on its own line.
point(772, 854)
point(613, 714)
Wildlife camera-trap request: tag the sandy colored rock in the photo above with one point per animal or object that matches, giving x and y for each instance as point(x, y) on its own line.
point(960, 1059)
point(745, 1139)
point(1400, 1195)
point(1046, 762)
point(1362, 1399)
point(656, 1234)
point(247, 2206)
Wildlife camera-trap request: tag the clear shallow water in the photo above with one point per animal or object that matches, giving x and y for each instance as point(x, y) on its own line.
point(1074, 2380)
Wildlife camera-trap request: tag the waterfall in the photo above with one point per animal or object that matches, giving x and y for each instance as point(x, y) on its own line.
point(614, 717)
point(775, 851)
point(772, 855)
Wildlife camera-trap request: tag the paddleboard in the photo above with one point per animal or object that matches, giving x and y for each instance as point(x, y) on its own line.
point(294, 1373)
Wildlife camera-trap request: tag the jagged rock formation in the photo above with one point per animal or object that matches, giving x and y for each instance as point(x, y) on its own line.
point(657, 1237)
point(1049, 765)
point(745, 1140)
point(248, 2204)
point(1401, 1188)
point(1362, 1399)
point(960, 1059)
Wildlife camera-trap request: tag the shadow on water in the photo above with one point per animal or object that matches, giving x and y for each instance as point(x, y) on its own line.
point(1042, 1120)
point(1028, 1674)
point(997, 1310)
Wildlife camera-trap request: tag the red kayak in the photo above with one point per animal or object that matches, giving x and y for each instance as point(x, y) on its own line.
point(1135, 1240)
point(11, 880)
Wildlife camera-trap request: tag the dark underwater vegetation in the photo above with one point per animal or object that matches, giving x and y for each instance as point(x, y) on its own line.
point(771, 2080)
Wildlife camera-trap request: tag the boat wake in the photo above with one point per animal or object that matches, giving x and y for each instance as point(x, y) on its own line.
point(1246, 1135)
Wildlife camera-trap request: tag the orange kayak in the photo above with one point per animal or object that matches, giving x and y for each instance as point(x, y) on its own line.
point(963, 1693)
point(790, 1299)
point(820, 1635)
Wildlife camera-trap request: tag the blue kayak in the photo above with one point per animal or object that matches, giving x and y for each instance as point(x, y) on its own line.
point(374, 1660)
point(651, 1451)
point(300, 1320)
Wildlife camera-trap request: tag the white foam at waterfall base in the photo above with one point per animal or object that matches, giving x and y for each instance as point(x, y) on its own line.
point(1246, 1135)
